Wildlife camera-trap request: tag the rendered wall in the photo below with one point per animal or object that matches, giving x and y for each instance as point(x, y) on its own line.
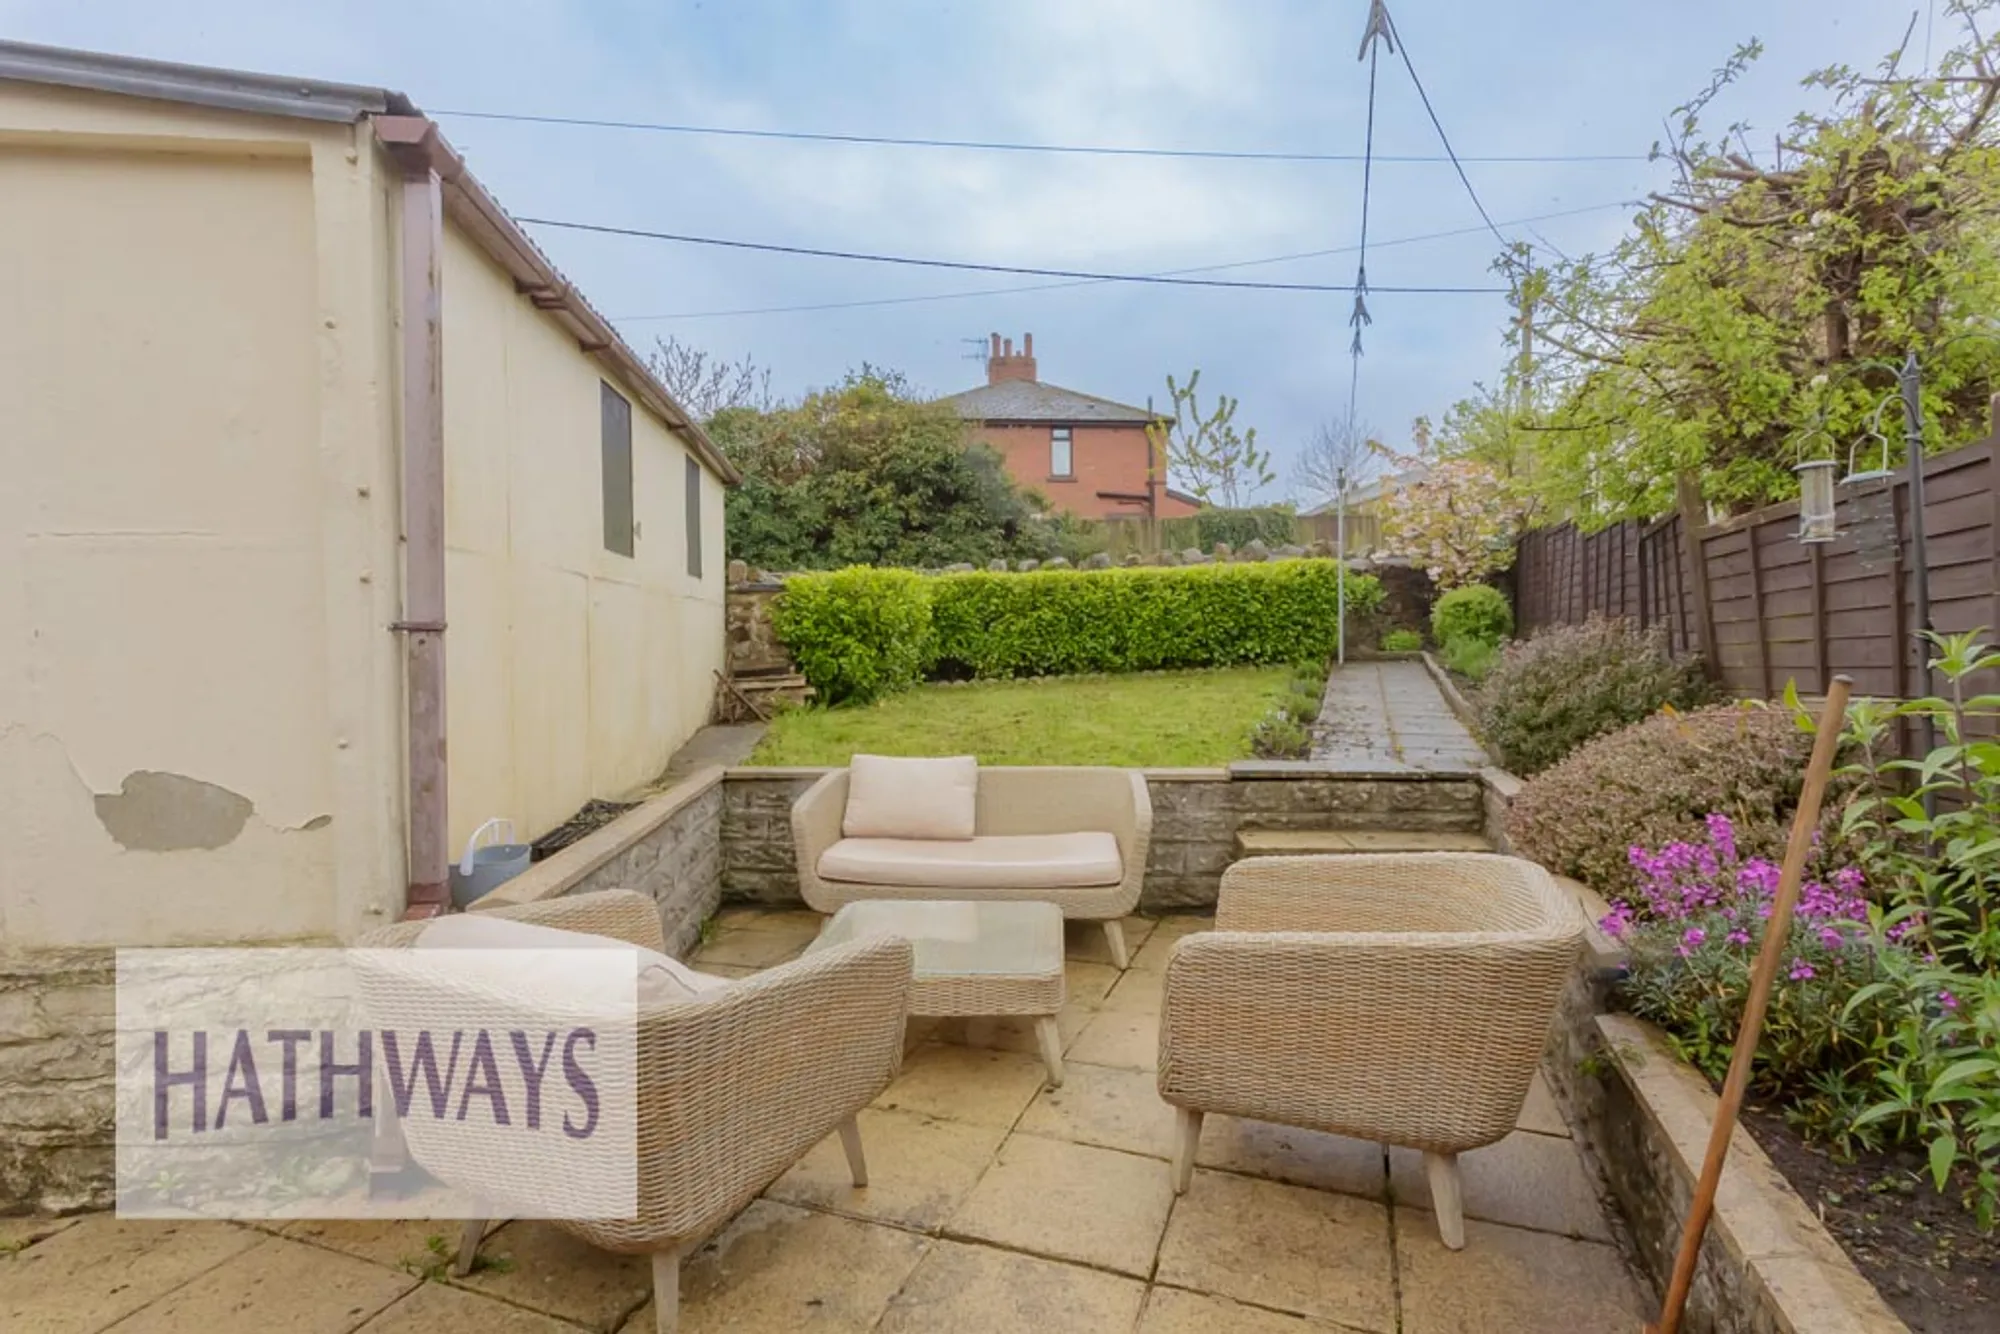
point(198, 726)
point(574, 672)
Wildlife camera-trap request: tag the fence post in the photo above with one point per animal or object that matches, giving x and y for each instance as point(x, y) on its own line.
point(1694, 521)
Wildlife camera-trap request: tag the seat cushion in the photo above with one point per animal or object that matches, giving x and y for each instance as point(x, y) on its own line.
point(661, 977)
point(990, 861)
point(889, 797)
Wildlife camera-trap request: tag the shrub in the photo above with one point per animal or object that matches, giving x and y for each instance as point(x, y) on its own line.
point(856, 634)
point(1550, 694)
point(1694, 928)
point(1472, 659)
point(1279, 736)
point(1061, 621)
point(1475, 611)
point(1655, 783)
point(1402, 641)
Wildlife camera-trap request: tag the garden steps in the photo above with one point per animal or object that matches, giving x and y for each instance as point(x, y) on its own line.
point(1319, 842)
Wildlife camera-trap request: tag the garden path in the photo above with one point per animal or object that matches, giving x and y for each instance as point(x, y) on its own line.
point(1390, 717)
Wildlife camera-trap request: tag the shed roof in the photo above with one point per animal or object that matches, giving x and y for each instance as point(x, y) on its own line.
point(1033, 401)
point(405, 131)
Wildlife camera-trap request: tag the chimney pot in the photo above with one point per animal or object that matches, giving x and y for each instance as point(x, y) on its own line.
point(996, 345)
point(1027, 345)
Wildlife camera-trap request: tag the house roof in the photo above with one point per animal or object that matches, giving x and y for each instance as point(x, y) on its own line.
point(408, 135)
point(1033, 401)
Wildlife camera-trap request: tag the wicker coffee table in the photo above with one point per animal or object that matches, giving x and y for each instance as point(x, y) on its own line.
point(986, 958)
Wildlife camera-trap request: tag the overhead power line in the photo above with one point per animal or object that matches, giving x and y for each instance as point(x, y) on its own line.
point(1156, 279)
point(1095, 282)
point(1004, 146)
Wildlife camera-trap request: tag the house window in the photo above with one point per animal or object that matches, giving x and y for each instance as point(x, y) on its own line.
point(616, 439)
point(693, 490)
point(1060, 461)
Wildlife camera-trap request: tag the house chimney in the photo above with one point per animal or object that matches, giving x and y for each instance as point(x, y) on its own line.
point(1006, 364)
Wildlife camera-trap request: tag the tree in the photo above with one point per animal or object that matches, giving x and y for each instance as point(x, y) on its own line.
point(867, 474)
point(1218, 463)
point(706, 385)
point(1340, 452)
point(1456, 517)
point(1755, 313)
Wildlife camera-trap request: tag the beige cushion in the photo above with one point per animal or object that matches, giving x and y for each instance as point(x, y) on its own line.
point(661, 977)
point(903, 798)
point(991, 861)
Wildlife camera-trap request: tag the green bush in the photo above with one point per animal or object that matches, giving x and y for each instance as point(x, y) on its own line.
point(1279, 736)
point(1476, 611)
point(1550, 694)
point(857, 634)
point(1472, 659)
point(1402, 641)
point(1052, 622)
point(1656, 783)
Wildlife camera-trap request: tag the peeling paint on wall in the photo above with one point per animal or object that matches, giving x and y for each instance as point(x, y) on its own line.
point(165, 812)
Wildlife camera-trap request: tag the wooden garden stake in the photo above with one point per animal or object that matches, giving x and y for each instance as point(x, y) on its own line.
point(1777, 933)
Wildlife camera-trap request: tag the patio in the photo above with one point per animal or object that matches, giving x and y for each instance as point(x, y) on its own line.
point(995, 1205)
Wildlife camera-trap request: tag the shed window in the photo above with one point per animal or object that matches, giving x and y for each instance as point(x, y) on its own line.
point(616, 437)
point(1060, 462)
point(693, 490)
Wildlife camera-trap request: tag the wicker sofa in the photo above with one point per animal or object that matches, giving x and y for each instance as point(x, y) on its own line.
point(1398, 998)
point(733, 1088)
point(1074, 837)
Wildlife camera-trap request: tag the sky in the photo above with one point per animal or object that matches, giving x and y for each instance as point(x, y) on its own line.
point(1529, 78)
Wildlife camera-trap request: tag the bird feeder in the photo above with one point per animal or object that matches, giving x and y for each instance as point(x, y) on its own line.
point(1816, 515)
point(1874, 433)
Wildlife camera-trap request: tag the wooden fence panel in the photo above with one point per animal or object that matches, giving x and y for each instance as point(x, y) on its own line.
point(1770, 610)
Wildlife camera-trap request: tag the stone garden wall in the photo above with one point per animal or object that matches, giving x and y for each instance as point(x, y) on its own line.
point(1197, 814)
point(57, 1014)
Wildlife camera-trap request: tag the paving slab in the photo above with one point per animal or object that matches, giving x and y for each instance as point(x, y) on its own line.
point(1173, 1311)
point(397, 1243)
point(1526, 1180)
point(748, 948)
point(1070, 1202)
point(980, 1290)
point(1390, 717)
point(1540, 1113)
point(534, 1263)
point(278, 1284)
point(1107, 1107)
point(971, 1084)
point(920, 1169)
point(1310, 1252)
point(105, 1268)
point(438, 1308)
point(776, 1269)
point(1084, 942)
point(17, 1234)
point(1298, 1157)
point(1511, 1281)
point(1126, 1038)
point(1138, 991)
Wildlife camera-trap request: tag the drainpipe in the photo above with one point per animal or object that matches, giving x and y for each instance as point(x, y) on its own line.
point(419, 220)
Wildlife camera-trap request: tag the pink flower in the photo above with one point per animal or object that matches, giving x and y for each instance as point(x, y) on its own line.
point(1616, 922)
point(1694, 935)
point(1738, 937)
point(1948, 1001)
point(1801, 971)
point(1831, 938)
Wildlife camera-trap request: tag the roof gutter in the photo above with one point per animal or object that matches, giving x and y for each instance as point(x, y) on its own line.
point(466, 202)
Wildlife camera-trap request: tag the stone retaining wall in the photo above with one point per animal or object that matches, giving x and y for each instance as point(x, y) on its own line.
point(1196, 816)
point(57, 1013)
point(668, 847)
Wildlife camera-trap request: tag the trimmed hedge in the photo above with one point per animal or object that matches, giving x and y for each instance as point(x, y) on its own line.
point(1051, 622)
point(857, 634)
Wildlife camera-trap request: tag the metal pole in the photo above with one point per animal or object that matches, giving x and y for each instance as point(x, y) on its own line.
point(1909, 380)
point(1340, 576)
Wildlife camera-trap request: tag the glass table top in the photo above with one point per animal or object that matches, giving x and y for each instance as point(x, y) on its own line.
point(958, 938)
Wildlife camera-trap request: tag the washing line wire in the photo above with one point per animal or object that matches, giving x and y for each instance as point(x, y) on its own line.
point(1154, 279)
point(1402, 48)
point(1377, 32)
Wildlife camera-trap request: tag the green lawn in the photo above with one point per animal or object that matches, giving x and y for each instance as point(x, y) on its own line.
point(1148, 720)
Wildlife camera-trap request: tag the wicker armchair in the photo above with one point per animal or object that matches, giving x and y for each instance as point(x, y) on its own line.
point(1403, 999)
point(733, 1088)
point(1011, 801)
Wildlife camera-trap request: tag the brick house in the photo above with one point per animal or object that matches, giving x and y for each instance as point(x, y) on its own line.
point(1090, 456)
